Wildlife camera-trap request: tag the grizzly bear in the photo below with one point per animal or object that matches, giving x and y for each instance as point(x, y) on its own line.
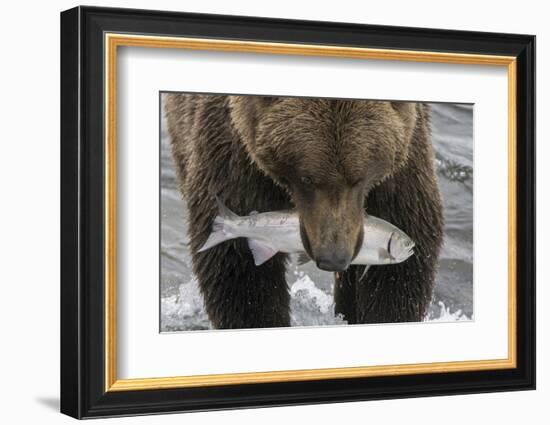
point(331, 160)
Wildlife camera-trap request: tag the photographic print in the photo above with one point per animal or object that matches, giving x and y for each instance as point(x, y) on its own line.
point(290, 211)
point(319, 195)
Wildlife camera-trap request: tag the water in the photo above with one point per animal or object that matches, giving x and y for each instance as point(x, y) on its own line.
point(312, 289)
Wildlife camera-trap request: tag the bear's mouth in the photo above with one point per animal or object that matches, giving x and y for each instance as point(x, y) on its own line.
point(305, 240)
point(358, 243)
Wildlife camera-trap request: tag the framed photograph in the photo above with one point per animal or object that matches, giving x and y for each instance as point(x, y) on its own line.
point(261, 212)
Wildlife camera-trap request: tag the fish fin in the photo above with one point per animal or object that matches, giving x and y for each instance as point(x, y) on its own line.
point(303, 258)
point(365, 270)
point(225, 212)
point(260, 251)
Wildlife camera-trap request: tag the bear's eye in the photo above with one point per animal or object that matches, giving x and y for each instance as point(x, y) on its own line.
point(284, 181)
point(307, 181)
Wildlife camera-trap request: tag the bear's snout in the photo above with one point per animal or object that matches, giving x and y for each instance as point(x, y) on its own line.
point(331, 230)
point(333, 261)
point(332, 253)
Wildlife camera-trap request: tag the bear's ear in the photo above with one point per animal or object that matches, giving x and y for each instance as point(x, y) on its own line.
point(404, 108)
point(408, 113)
point(246, 112)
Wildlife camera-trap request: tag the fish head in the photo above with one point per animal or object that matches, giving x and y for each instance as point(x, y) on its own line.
point(400, 246)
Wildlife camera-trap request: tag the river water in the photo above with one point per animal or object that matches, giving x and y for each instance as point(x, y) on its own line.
point(181, 307)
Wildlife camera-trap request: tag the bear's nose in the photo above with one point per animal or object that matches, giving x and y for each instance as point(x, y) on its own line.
point(333, 263)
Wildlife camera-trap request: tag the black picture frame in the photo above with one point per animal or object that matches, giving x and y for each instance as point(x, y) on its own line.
point(83, 392)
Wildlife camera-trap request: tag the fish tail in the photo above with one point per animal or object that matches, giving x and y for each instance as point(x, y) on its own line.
point(220, 231)
point(215, 238)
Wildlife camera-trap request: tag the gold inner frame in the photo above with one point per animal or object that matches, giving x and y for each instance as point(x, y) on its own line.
point(113, 41)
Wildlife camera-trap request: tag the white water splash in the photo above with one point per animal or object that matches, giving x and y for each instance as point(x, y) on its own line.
point(445, 315)
point(184, 311)
point(309, 306)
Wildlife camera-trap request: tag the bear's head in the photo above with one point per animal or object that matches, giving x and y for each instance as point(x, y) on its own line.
point(327, 154)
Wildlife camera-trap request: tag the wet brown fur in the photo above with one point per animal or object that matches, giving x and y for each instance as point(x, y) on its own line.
point(330, 159)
